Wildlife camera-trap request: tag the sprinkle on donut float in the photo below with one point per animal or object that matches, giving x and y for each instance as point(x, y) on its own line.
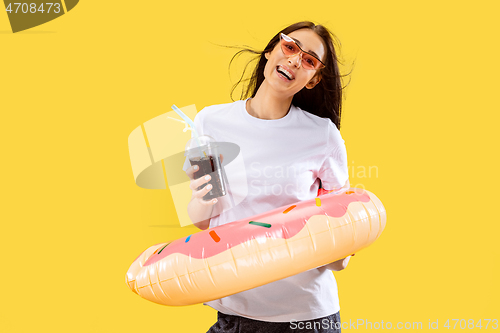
point(251, 252)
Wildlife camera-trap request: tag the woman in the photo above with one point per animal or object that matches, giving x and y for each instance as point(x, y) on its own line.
point(289, 139)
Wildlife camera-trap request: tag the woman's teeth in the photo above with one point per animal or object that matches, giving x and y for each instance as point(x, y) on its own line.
point(286, 73)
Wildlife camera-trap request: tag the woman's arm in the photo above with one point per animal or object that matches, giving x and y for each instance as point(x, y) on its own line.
point(199, 210)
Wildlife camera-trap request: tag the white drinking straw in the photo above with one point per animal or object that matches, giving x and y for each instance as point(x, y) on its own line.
point(190, 123)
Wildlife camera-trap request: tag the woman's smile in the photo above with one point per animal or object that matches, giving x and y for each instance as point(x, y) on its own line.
point(285, 73)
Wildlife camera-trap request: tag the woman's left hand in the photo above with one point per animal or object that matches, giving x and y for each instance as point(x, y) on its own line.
point(338, 265)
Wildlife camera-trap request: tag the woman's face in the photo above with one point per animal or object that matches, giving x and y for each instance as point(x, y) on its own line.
point(287, 75)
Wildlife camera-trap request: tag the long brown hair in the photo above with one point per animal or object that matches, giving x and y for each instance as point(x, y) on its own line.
point(325, 99)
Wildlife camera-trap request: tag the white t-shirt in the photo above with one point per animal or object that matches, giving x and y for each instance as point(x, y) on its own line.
point(284, 160)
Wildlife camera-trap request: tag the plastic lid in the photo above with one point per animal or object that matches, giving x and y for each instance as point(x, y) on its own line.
point(199, 145)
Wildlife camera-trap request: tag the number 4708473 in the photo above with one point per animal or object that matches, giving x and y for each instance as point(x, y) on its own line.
point(19, 7)
point(470, 324)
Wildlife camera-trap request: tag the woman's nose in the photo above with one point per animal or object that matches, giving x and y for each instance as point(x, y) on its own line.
point(296, 59)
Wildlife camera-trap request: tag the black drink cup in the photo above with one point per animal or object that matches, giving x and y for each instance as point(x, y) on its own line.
point(202, 151)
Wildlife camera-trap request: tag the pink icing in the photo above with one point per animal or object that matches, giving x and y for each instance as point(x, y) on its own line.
point(202, 245)
point(143, 252)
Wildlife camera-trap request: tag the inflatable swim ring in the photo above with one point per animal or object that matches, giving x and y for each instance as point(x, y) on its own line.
point(251, 252)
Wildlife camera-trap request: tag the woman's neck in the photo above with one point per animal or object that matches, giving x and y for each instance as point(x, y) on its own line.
point(268, 105)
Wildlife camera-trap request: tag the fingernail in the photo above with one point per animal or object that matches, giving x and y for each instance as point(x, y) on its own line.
point(214, 201)
point(207, 177)
point(209, 187)
point(196, 167)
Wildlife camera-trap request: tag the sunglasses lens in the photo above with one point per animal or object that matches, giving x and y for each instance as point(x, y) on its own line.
point(309, 62)
point(290, 48)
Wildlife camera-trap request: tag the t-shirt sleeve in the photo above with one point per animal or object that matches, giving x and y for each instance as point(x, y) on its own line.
point(333, 171)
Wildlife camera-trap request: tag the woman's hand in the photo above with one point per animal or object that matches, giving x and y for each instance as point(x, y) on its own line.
point(344, 188)
point(195, 185)
point(338, 265)
point(199, 210)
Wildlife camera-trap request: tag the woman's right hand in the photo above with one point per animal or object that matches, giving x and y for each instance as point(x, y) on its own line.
point(196, 183)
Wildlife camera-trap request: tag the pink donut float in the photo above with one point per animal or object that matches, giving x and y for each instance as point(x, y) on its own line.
point(251, 252)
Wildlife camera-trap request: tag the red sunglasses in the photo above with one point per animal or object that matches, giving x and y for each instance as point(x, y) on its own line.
point(290, 48)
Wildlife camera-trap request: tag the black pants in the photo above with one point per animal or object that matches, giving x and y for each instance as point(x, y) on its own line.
point(235, 324)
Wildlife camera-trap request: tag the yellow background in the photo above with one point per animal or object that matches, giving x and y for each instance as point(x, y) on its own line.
point(421, 107)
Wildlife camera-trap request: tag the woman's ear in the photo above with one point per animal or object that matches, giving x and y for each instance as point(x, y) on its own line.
point(267, 54)
point(314, 81)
